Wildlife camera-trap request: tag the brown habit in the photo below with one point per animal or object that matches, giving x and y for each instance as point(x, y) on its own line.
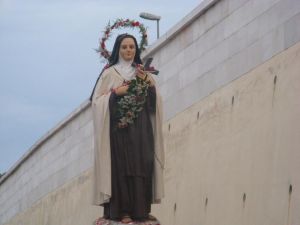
point(102, 150)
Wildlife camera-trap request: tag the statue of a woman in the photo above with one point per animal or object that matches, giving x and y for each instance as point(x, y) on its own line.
point(128, 161)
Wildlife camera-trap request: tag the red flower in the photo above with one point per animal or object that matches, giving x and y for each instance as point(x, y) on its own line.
point(129, 114)
point(107, 32)
point(102, 45)
point(137, 23)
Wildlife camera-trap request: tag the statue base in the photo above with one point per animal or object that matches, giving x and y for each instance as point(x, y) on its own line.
point(102, 221)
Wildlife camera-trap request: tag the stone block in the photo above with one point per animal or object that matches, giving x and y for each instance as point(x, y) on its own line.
point(168, 88)
point(186, 37)
point(68, 129)
point(170, 50)
point(72, 154)
point(75, 125)
point(86, 146)
point(24, 203)
point(167, 70)
point(245, 14)
point(189, 74)
point(210, 39)
point(273, 43)
point(85, 117)
point(73, 139)
point(157, 59)
point(72, 169)
point(59, 177)
point(87, 130)
point(28, 164)
point(55, 139)
point(86, 162)
point(214, 16)
point(292, 31)
point(9, 193)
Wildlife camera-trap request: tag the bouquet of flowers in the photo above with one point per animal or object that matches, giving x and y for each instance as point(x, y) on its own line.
point(133, 102)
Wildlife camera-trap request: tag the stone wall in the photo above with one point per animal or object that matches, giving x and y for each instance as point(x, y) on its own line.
point(229, 77)
point(63, 155)
point(222, 44)
point(233, 157)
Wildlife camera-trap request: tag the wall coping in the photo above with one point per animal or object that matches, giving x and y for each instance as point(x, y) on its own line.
point(163, 40)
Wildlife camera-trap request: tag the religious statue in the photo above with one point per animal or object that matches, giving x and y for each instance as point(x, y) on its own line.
point(128, 140)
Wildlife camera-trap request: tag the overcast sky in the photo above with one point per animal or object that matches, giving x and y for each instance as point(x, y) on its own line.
point(48, 64)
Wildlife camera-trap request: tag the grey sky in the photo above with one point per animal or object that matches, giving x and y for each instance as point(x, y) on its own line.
point(48, 65)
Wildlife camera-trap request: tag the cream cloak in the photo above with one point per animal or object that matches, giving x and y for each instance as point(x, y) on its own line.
point(102, 156)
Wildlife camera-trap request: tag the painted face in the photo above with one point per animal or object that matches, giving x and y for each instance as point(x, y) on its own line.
point(127, 49)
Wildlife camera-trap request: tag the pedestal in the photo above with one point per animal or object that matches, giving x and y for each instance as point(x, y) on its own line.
point(102, 221)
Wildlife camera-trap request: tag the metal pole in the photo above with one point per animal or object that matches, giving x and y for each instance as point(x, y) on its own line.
point(157, 28)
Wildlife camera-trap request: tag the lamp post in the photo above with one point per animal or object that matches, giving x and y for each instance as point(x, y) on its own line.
point(149, 16)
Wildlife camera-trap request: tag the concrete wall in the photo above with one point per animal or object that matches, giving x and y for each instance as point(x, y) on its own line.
point(228, 40)
point(233, 157)
point(230, 127)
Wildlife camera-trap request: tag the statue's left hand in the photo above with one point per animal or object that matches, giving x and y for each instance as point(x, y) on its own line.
point(140, 72)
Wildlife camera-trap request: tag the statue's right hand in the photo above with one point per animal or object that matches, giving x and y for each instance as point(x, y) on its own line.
point(122, 90)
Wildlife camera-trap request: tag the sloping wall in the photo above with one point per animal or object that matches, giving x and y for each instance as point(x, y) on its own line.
point(233, 157)
point(229, 76)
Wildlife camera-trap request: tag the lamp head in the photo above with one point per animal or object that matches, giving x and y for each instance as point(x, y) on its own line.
point(149, 16)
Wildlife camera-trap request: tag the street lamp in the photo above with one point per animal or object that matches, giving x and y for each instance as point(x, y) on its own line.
point(149, 16)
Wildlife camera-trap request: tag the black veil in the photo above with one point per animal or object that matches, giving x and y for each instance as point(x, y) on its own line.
point(114, 58)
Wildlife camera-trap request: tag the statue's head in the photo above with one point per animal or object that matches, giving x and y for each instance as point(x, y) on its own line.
point(126, 47)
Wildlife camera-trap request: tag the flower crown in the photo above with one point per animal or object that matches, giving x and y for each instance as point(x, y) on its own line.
point(119, 23)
